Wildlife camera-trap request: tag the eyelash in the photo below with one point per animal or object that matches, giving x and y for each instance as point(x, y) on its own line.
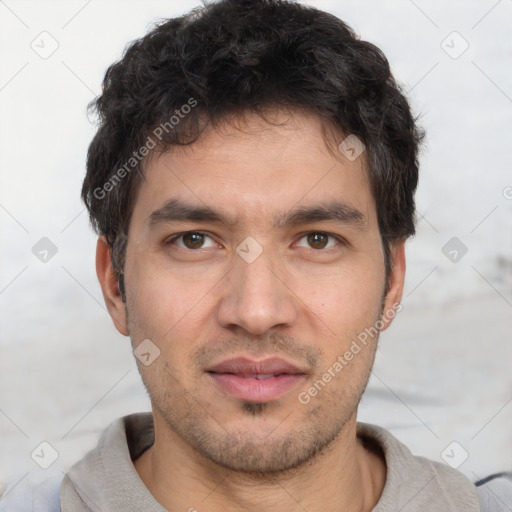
point(171, 240)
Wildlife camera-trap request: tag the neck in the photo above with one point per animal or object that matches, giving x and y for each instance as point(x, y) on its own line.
point(181, 479)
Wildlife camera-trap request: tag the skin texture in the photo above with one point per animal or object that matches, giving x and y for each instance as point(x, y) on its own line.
point(303, 299)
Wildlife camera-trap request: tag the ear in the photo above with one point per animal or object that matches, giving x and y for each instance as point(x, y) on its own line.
point(396, 284)
point(110, 286)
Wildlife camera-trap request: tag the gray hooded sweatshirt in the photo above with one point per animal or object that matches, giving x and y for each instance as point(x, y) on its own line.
point(105, 480)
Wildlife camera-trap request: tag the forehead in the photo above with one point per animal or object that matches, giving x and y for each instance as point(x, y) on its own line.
point(255, 169)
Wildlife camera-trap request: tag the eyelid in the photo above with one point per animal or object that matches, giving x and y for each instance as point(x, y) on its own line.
point(173, 238)
point(340, 239)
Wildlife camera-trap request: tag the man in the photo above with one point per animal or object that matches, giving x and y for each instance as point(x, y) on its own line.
point(252, 181)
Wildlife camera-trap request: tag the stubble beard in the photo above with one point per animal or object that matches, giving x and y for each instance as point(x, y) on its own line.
point(311, 430)
point(259, 455)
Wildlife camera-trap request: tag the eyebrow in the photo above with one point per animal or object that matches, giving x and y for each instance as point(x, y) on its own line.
point(175, 210)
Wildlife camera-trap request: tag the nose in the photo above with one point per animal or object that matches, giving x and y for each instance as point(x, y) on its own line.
point(256, 297)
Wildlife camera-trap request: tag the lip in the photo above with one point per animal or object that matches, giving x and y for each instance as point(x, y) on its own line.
point(245, 366)
point(256, 380)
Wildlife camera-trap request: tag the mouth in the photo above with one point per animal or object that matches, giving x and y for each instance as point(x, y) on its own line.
point(256, 381)
point(258, 376)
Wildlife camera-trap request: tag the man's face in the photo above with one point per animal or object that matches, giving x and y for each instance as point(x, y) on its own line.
point(249, 313)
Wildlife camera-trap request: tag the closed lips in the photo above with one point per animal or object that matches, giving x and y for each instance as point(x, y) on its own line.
point(259, 376)
point(260, 381)
point(250, 369)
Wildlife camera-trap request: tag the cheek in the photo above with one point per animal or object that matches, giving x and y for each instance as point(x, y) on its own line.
point(170, 312)
point(160, 298)
point(342, 297)
point(345, 306)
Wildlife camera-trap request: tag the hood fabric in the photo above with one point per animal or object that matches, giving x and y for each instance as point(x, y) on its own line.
point(105, 480)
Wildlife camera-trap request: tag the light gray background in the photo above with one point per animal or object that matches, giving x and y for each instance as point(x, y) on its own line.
point(443, 370)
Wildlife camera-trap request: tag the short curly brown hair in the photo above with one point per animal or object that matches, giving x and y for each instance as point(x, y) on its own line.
point(235, 56)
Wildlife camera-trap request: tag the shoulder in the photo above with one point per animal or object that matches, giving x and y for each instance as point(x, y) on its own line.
point(28, 495)
point(495, 492)
point(417, 483)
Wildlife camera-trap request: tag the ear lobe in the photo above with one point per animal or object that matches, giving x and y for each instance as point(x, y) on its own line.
point(110, 286)
point(396, 284)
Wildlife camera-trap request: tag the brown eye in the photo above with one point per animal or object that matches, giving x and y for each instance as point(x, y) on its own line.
point(191, 240)
point(318, 240)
